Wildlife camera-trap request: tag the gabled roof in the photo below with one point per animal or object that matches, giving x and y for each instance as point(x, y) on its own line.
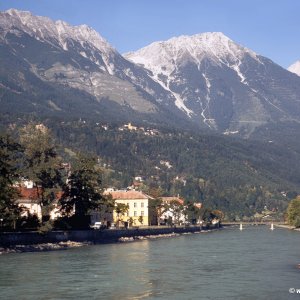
point(170, 199)
point(31, 194)
point(128, 195)
point(28, 193)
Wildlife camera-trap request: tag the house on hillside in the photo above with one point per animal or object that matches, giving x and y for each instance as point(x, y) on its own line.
point(29, 202)
point(198, 205)
point(139, 211)
point(172, 211)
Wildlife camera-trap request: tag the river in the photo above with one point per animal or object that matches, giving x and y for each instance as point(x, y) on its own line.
point(255, 263)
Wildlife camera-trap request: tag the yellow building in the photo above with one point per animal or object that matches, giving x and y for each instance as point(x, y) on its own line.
point(139, 211)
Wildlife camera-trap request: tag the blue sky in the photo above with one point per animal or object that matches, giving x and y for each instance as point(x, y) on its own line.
point(268, 27)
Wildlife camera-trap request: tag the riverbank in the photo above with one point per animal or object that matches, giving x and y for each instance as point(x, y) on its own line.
point(42, 247)
point(59, 240)
point(287, 227)
point(159, 236)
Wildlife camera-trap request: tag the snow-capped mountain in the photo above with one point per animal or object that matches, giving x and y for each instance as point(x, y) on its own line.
point(59, 34)
point(76, 57)
point(220, 83)
point(54, 69)
point(295, 67)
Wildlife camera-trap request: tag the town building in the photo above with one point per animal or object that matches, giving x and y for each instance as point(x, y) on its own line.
point(28, 201)
point(139, 209)
point(172, 211)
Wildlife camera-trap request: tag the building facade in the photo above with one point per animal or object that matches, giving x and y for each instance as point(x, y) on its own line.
point(172, 211)
point(139, 210)
point(29, 202)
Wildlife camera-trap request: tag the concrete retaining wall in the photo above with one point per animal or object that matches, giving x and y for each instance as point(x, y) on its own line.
point(94, 236)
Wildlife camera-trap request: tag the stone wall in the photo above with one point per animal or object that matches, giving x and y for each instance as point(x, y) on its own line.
point(8, 239)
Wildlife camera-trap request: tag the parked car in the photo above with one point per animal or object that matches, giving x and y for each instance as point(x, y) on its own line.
point(96, 225)
point(112, 226)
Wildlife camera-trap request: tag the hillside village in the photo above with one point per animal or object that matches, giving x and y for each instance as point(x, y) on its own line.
point(46, 190)
point(128, 161)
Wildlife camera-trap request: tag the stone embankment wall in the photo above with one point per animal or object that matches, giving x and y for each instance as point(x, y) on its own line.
point(94, 236)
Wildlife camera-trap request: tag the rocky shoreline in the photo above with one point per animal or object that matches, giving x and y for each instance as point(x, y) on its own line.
point(64, 245)
point(43, 247)
point(146, 237)
point(156, 236)
point(287, 227)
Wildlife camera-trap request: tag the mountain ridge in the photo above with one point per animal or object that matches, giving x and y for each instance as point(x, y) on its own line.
point(205, 80)
point(215, 60)
point(95, 68)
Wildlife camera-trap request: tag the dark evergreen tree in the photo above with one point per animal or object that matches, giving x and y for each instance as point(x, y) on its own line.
point(121, 209)
point(293, 212)
point(83, 191)
point(42, 165)
point(9, 155)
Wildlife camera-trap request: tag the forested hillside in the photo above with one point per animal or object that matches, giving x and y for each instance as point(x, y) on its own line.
point(237, 176)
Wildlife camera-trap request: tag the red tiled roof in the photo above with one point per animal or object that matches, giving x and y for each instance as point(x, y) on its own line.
point(28, 193)
point(128, 195)
point(32, 193)
point(169, 199)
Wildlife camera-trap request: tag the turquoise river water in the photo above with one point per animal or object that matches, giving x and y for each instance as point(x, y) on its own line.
point(255, 263)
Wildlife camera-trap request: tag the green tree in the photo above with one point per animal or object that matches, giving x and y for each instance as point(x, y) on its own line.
point(193, 212)
point(206, 214)
point(107, 204)
point(9, 154)
point(218, 214)
point(121, 209)
point(177, 210)
point(141, 220)
point(156, 205)
point(293, 212)
point(130, 221)
point(41, 165)
point(83, 190)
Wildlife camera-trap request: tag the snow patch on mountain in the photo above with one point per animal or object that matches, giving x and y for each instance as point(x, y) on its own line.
point(205, 110)
point(295, 68)
point(164, 58)
point(56, 33)
point(212, 44)
point(179, 102)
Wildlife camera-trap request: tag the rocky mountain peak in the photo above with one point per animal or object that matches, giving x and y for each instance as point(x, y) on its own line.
point(224, 85)
point(179, 50)
point(44, 28)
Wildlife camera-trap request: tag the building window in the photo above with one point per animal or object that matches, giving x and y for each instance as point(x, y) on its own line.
point(135, 204)
point(142, 213)
point(142, 204)
point(135, 213)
